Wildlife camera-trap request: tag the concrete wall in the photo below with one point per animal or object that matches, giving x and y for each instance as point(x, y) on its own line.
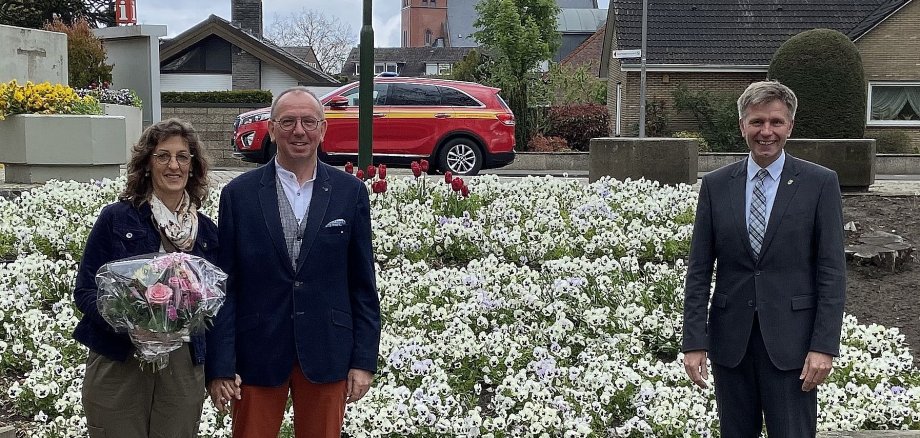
point(134, 53)
point(666, 160)
point(215, 128)
point(32, 55)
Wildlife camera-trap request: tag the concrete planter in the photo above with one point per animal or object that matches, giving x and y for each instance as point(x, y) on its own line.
point(134, 123)
point(36, 148)
point(852, 159)
point(666, 160)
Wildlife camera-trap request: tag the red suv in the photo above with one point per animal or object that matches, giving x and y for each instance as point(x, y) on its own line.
point(461, 126)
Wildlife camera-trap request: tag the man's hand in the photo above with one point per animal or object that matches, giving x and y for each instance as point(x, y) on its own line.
point(695, 366)
point(222, 391)
point(817, 367)
point(359, 382)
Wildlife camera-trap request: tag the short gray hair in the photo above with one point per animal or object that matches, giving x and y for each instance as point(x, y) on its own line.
point(297, 89)
point(759, 93)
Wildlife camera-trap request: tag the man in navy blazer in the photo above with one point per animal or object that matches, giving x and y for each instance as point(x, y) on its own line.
point(772, 325)
point(302, 314)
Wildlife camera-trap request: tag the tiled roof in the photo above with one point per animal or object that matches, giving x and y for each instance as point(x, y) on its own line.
point(736, 32)
point(411, 60)
point(588, 53)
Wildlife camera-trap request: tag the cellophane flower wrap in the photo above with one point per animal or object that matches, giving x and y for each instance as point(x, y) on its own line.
point(159, 299)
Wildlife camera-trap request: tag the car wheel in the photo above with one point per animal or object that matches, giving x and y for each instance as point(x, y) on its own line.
point(269, 148)
point(461, 156)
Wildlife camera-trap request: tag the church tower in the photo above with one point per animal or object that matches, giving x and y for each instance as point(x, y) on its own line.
point(423, 23)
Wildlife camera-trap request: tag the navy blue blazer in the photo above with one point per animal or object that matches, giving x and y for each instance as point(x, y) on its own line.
point(796, 285)
point(122, 231)
point(323, 315)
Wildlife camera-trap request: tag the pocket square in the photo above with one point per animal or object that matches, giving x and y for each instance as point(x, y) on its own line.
point(336, 223)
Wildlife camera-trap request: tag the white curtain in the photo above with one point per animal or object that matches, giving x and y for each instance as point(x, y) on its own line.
point(887, 101)
point(913, 97)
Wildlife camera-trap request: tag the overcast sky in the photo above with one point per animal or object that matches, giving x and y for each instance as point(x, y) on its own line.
point(179, 15)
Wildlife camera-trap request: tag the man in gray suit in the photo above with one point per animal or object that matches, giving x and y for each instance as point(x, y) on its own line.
point(772, 227)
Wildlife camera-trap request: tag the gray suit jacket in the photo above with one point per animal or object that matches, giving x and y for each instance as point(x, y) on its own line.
point(798, 284)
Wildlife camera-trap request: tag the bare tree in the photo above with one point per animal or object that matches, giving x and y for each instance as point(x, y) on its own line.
point(330, 38)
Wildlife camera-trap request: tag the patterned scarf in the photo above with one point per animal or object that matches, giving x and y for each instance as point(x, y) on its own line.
point(179, 228)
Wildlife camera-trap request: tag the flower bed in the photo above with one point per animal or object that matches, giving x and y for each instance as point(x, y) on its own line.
point(529, 308)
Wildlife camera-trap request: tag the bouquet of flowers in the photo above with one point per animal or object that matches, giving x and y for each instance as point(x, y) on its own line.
point(159, 300)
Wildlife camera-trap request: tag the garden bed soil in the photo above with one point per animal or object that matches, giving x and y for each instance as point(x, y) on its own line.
point(880, 295)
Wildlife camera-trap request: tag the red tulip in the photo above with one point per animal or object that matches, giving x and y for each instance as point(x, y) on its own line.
point(349, 167)
point(360, 174)
point(465, 191)
point(379, 186)
point(448, 177)
point(423, 165)
point(416, 169)
point(457, 184)
point(382, 170)
point(371, 170)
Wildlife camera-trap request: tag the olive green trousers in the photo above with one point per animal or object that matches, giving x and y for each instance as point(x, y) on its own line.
point(122, 400)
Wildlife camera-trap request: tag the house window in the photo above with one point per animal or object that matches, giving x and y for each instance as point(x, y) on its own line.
point(381, 67)
point(427, 36)
point(894, 104)
point(432, 69)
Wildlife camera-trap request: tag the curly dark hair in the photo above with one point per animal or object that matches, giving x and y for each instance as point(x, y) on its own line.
point(140, 186)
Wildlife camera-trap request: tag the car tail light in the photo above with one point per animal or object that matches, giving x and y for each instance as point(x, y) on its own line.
point(507, 119)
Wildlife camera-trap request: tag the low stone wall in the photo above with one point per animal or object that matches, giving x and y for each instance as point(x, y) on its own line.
point(885, 164)
point(214, 123)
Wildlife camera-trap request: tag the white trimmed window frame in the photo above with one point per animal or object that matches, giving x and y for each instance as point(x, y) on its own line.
point(872, 122)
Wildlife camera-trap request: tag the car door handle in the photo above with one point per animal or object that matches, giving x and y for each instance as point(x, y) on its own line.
point(442, 116)
point(379, 115)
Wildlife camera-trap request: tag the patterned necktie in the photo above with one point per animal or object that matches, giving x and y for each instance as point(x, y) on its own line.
point(758, 219)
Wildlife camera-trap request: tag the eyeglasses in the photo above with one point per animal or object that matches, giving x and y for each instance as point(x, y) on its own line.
point(287, 124)
point(163, 158)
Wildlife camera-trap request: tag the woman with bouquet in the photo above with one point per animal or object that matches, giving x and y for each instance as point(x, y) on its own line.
point(156, 212)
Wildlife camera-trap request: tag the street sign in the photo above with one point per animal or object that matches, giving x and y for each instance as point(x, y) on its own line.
point(633, 53)
point(125, 12)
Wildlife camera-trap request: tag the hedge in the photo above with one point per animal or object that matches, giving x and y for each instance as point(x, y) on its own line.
point(237, 96)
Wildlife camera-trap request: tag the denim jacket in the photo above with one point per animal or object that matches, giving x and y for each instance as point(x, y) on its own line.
point(122, 231)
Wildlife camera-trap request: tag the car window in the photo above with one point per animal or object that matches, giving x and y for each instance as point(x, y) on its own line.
point(455, 97)
point(380, 92)
point(413, 94)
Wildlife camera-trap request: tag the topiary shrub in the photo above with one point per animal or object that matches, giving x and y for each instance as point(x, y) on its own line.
point(823, 68)
point(578, 124)
point(85, 54)
point(892, 142)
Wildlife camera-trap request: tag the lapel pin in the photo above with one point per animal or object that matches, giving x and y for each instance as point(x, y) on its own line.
point(326, 189)
point(789, 182)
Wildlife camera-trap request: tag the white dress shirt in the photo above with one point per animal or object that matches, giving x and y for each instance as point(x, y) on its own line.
point(299, 196)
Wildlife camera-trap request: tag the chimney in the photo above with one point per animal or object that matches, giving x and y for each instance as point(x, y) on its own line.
point(247, 14)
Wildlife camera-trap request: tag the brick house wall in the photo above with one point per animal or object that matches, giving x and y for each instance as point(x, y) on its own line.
point(215, 129)
point(660, 86)
point(891, 52)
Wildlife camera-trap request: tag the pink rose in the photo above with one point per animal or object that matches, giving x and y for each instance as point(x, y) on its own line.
point(159, 293)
